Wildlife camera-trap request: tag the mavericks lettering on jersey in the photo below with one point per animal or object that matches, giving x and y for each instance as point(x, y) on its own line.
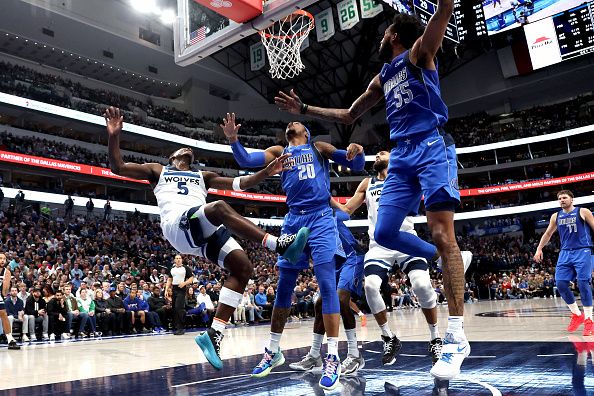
point(297, 160)
point(394, 81)
point(567, 220)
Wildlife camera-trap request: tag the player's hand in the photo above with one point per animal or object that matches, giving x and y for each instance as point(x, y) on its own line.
point(289, 103)
point(353, 150)
point(277, 165)
point(538, 256)
point(114, 120)
point(229, 127)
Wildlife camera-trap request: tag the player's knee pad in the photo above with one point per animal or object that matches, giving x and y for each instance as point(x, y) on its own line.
point(230, 297)
point(373, 284)
point(326, 277)
point(284, 289)
point(421, 285)
point(585, 286)
point(565, 292)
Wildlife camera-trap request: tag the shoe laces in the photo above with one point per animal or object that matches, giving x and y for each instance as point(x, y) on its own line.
point(285, 240)
point(217, 342)
point(387, 347)
point(446, 357)
point(435, 347)
point(348, 360)
point(265, 360)
point(331, 366)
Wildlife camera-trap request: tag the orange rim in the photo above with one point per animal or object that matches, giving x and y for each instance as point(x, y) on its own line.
point(298, 12)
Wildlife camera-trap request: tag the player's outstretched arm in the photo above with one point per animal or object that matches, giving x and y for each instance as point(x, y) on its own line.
point(425, 48)
point(588, 217)
point(358, 198)
point(115, 121)
point(213, 180)
point(546, 237)
point(293, 104)
point(255, 159)
point(353, 157)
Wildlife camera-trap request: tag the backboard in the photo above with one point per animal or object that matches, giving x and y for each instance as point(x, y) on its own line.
point(200, 32)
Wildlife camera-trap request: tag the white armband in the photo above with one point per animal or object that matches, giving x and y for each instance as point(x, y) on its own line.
point(237, 184)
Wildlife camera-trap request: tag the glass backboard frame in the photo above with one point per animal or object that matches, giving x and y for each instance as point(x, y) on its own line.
point(187, 53)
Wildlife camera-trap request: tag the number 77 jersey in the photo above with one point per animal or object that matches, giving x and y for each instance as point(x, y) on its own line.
point(574, 232)
point(414, 107)
point(306, 178)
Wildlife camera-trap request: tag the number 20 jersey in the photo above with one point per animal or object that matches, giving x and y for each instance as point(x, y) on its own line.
point(306, 178)
point(414, 107)
point(177, 191)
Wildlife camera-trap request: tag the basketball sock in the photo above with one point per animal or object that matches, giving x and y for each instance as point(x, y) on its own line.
point(455, 326)
point(385, 328)
point(351, 335)
point(218, 324)
point(274, 344)
point(588, 312)
point(9, 337)
point(333, 346)
point(316, 345)
point(575, 309)
point(269, 242)
point(434, 330)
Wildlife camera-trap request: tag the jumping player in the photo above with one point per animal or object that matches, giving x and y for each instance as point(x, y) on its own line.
point(5, 276)
point(350, 282)
point(194, 227)
point(575, 258)
point(422, 162)
point(306, 182)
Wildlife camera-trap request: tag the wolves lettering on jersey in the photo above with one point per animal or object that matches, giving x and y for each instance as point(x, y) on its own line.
point(372, 197)
point(177, 191)
point(573, 230)
point(413, 99)
point(306, 179)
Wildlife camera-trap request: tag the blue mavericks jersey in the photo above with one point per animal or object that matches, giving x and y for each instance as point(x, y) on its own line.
point(306, 180)
point(413, 99)
point(573, 230)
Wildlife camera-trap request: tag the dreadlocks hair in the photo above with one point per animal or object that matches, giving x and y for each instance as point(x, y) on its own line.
point(408, 28)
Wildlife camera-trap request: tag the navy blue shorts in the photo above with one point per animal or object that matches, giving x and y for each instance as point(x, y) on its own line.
point(323, 243)
point(350, 274)
point(574, 264)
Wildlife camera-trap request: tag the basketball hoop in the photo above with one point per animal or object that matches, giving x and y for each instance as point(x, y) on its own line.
point(283, 40)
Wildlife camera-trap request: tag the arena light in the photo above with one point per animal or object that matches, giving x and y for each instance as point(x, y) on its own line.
point(168, 16)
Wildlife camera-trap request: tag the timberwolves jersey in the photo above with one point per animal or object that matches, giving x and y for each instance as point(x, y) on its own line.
point(178, 191)
point(573, 230)
point(306, 179)
point(2, 275)
point(372, 196)
point(414, 106)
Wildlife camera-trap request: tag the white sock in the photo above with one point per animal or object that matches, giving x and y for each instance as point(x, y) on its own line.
point(218, 324)
point(455, 325)
point(588, 312)
point(385, 328)
point(360, 313)
point(9, 337)
point(274, 344)
point(333, 346)
point(269, 241)
point(316, 345)
point(351, 335)
point(434, 330)
point(574, 308)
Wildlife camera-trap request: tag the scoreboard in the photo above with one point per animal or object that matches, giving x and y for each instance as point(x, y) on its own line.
point(467, 22)
point(574, 31)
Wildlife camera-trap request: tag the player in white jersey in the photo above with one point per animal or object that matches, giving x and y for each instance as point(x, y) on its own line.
point(195, 227)
point(379, 261)
point(5, 276)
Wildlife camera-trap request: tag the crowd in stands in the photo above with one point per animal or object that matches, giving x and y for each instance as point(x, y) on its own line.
point(476, 129)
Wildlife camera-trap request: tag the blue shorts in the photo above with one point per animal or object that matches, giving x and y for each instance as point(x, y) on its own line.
point(350, 274)
point(323, 243)
point(574, 264)
point(428, 168)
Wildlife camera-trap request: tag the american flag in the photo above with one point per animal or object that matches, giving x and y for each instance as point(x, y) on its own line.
point(198, 35)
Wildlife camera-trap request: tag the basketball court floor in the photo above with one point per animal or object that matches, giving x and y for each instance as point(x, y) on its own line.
point(518, 348)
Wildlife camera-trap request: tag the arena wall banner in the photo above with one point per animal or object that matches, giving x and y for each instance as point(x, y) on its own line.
point(48, 163)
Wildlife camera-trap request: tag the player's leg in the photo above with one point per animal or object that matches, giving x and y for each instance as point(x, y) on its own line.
point(7, 329)
point(437, 174)
point(583, 268)
point(226, 252)
point(565, 273)
point(218, 213)
point(281, 310)
point(313, 360)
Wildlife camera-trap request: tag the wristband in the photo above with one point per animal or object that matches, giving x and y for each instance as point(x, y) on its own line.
point(303, 109)
point(237, 184)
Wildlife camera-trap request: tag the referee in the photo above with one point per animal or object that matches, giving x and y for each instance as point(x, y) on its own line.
point(180, 277)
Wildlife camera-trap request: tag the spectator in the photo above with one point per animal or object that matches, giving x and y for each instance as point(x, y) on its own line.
point(86, 305)
point(68, 206)
point(261, 300)
point(90, 207)
point(203, 298)
point(548, 286)
point(57, 313)
point(23, 295)
point(161, 306)
point(107, 211)
point(154, 278)
point(35, 309)
point(105, 318)
point(134, 305)
point(123, 318)
point(146, 292)
point(195, 308)
point(15, 309)
point(19, 200)
point(73, 313)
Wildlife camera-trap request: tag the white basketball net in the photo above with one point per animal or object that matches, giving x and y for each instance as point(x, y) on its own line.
point(283, 40)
